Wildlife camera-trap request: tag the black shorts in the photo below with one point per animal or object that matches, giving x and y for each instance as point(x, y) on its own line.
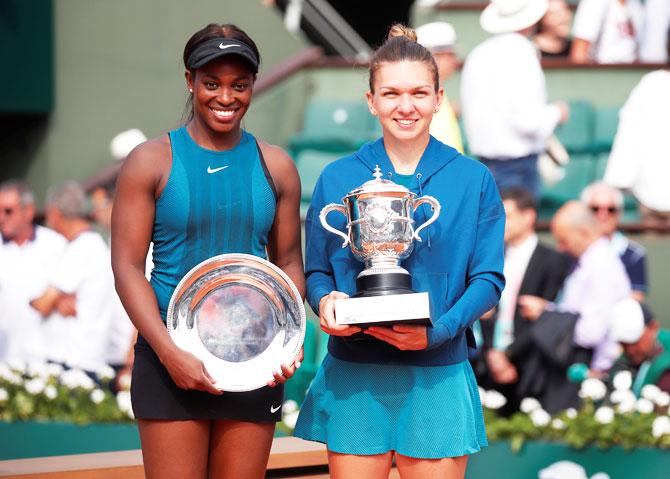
point(155, 396)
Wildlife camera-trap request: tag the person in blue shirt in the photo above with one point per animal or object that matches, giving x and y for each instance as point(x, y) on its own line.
point(204, 189)
point(408, 392)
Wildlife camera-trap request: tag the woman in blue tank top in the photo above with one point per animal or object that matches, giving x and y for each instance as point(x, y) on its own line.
point(202, 190)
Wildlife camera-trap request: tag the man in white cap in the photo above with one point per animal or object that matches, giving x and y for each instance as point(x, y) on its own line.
point(506, 116)
point(440, 39)
point(646, 346)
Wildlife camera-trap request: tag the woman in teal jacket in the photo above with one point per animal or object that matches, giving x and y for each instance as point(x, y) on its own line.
point(410, 393)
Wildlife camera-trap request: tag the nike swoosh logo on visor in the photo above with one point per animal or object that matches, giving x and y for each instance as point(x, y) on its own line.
point(274, 409)
point(223, 47)
point(211, 170)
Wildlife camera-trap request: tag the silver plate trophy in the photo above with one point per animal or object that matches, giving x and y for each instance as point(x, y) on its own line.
point(241, 315)
point(380, 227)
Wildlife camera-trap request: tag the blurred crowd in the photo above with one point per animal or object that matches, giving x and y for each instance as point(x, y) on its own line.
point(57, 298)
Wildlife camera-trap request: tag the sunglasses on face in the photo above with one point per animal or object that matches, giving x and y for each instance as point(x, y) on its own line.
point(8, 211)
point(609, 209)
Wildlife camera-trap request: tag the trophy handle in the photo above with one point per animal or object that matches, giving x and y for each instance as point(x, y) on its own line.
point(436, 212)
point(322, 216)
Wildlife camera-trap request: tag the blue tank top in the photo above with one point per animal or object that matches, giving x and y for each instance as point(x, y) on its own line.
point(214, 202)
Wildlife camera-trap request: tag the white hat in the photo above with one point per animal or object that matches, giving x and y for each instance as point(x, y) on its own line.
point(436, 36)
point(504, 16)
point(627, 321)
point(124, 142)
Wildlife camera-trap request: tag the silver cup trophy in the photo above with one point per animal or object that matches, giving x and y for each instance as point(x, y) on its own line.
point(381, 233)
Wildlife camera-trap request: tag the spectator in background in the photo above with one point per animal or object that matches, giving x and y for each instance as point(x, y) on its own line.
point(78, 302)
point(607, 31)
point(440, 39)
point(27, 255)
point(531, 268)
point(639, 158)
point(582, 314)
point(606, 203)
point(553, 31)
point(656, 35)
point(121, 336)
point(504, 100)
point(646, 346)
point(597, 282)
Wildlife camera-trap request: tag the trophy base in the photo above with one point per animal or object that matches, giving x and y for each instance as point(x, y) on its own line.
point(383, 284)
point(383, 310)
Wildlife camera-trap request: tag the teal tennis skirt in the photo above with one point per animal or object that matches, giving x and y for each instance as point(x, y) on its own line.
point(421, 412)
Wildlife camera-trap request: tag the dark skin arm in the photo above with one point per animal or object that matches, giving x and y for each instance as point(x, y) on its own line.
point(284, 245)
point(141, 180)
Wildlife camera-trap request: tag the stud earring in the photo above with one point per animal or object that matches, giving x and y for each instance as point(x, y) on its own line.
point(190, 90)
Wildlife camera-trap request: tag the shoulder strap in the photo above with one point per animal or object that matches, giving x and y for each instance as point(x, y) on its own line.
point(268, 176)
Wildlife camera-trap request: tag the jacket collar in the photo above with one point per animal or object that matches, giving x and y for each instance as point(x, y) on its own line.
point(435, 157)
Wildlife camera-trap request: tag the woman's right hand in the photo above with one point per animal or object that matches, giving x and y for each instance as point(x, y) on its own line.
point(188, 372)
point(327, 316)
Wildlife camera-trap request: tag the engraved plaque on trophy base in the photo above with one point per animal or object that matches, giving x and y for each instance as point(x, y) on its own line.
point(383, 310)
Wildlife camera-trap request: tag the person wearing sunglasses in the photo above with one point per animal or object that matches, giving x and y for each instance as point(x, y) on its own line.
point(27, 254)
point(606, 203)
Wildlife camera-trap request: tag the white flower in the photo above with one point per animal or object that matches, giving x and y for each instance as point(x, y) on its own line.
point(622, 381)
point(105, 373)
point(76, 378)
point(622, 395)
point(54, 369)
point(5, 372)
point(593, 389)
point(650, 391)
point(494, 400)
point(663, 399)
point(97, 396)
point(540, 417)
point(17, 365)
point(50, 392)
point(4, 395)
point(626, 406)
point(37, 369)
point(289, 406)
point(291, 418)
point(558, 424)
point(604, 415)
point(571, 413)
point(15, 378)
point(124, 403)
point(644, 406)
point(35, 386)
point(660, 426)
point(529, 405)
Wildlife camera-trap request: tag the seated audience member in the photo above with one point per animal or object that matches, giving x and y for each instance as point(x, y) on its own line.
point(530, 268)
point(553, 31)
point(639, 158)
point(606, 202)
point(78, 303)
point(440, 39)
point(646, 347)
point(656, 35)
point(581, 315)
point(606, 31)
point(27, 255)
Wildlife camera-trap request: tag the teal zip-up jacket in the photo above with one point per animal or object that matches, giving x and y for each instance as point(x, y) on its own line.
point(459, 261)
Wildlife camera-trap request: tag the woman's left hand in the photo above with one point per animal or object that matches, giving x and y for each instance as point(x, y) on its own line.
point(287, 371)
point(406, 337)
